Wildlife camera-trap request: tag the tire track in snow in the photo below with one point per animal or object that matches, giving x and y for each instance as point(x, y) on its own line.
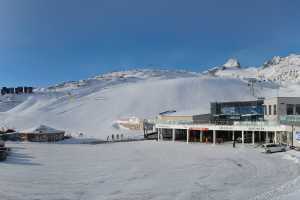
point(284, 189)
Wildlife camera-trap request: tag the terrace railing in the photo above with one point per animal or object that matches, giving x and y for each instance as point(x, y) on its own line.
point(173, 122)
point(256, 123)
point(290, 119)
point(229, 123)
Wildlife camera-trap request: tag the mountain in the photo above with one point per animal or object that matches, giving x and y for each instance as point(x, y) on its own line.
point(280, 70)
point(121, 77)
point(232, 63)
point(92, 106)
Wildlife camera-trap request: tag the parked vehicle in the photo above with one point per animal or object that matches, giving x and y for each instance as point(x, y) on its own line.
point(271, 148)
point(2, 143)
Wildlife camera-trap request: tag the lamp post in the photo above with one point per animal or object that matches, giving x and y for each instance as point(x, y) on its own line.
point(292, 135)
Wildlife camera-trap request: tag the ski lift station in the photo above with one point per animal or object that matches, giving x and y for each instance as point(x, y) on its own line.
point(273, 120)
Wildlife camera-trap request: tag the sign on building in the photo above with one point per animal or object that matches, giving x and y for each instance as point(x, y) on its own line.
point(297, 136)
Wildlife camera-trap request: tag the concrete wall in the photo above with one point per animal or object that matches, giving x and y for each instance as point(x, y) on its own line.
point(271, 102)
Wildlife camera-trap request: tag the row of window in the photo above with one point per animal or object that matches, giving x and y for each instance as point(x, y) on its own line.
point(268, 110)
point(291, 109)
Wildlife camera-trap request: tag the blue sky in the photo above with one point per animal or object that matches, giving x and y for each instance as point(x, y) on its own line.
point(46, 42)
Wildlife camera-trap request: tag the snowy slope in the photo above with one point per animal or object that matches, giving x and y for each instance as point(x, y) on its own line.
point(93, 112)
point(92, 106)
point(282, 70)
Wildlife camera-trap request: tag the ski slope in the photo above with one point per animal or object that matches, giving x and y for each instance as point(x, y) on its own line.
point(92, 106)
point(93, 110)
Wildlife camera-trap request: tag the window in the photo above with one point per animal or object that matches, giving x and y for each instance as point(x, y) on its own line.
point(265, 110)
point(297, 109)
point(289, 109)
point(275, 109)
point(270, 110)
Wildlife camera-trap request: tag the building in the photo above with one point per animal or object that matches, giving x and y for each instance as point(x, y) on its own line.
point(17, 90)
point(132, 123)
point(42, 134)
point(276, 107)
point(228, 112)
point(184, 117)
point(275, 120)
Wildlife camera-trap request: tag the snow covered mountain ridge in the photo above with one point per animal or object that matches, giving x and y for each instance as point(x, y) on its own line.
point(232, 63)
point(120, 77)
point(281, 70)
point(93, 105)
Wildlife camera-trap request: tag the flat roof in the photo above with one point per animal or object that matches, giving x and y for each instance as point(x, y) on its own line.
point(238, 102)
point(282, 97)
point(184, 113)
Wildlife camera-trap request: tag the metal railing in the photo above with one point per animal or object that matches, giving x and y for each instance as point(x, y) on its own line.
point(256, 123)
point(173, 122)
point(229, 123)
point(290, 119)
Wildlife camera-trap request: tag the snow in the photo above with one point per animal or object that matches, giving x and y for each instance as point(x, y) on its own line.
point(72, 169)
point(93, 110)
point(146, 170)
point(232, 63)
point(93, 106)
point(283, 70)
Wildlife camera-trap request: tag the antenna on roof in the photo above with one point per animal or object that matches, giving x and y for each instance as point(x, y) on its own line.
point(251, 83)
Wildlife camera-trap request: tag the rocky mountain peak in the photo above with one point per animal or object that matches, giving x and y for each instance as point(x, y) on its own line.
point(232, 63)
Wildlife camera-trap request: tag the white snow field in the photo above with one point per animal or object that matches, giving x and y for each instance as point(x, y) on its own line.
point(93, 111)
point(147, 170)
point(92, 106)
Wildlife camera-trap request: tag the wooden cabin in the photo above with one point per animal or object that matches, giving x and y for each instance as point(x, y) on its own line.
point(42, 134)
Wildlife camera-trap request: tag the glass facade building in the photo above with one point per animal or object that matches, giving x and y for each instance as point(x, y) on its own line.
point(228, 112)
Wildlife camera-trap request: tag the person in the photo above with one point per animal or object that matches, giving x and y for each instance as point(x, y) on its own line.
point(107, 138)
point(233, 144)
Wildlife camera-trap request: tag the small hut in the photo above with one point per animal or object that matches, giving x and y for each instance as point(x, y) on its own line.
point(42, 134)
